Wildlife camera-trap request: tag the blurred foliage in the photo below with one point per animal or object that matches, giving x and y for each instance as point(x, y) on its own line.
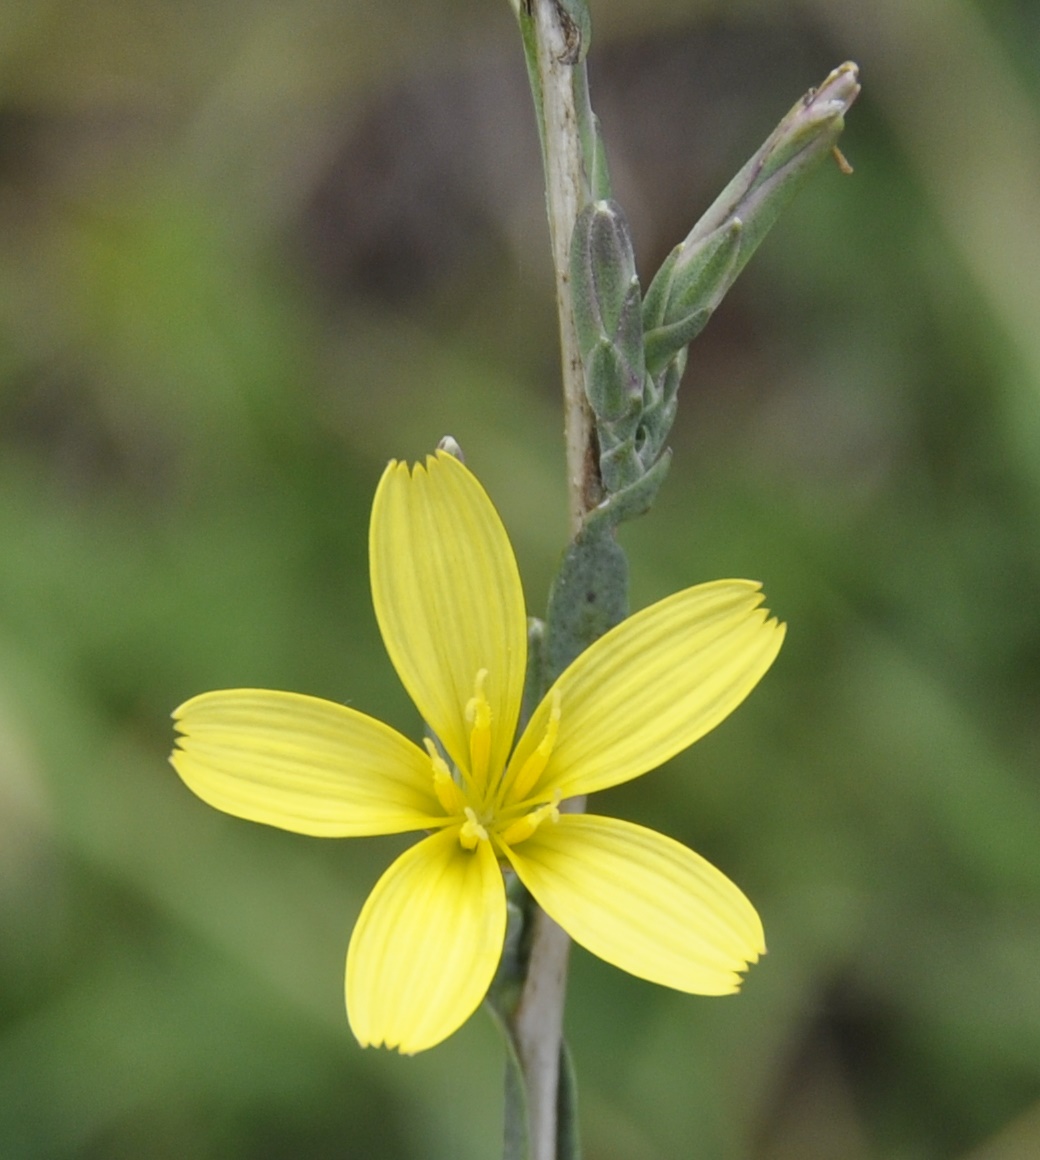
point(249, 252)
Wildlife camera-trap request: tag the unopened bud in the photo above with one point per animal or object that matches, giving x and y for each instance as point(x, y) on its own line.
point(608, 317)
point(603, 266)
point(697, 274)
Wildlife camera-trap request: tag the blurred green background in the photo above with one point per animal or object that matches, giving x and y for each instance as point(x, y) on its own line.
point(251, 250)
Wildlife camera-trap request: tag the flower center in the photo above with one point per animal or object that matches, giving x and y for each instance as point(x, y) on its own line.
point(488, 807)
point(472, 831)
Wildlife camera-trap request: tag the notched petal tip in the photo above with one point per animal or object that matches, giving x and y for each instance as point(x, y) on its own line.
point(386, 1044)
point(412, 469)
point(185, 707)
point(394, 468)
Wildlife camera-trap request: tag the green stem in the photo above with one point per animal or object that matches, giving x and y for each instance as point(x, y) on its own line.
point(554, 43)
point(537, 1027)
point(553, 60)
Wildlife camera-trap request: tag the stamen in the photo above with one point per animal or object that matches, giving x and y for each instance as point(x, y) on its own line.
point(448, 792)
point(524, 827)
point(472, 831)
point(533, 767)
point(478, 714)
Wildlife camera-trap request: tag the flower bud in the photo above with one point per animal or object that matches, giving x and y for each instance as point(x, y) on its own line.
point(697, 274)
point(608, 317)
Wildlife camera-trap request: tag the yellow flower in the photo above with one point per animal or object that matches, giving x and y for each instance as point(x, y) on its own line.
point(450, 608)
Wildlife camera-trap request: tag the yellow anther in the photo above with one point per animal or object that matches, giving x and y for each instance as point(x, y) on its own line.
point(445, 787)
point(524, 827)
point(478, 714)
point(472, 831)
point(532, 769)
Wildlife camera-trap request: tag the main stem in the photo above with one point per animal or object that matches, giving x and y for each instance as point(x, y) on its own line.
point(566, 189)
point(538, 1022)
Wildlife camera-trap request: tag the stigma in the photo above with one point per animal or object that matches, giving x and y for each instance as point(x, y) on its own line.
point(478, 717)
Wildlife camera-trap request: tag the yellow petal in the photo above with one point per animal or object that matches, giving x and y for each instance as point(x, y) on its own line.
point(448, 599)
point(303, 764)
point(653, 685)
point(641, 901)
point(427, 944)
